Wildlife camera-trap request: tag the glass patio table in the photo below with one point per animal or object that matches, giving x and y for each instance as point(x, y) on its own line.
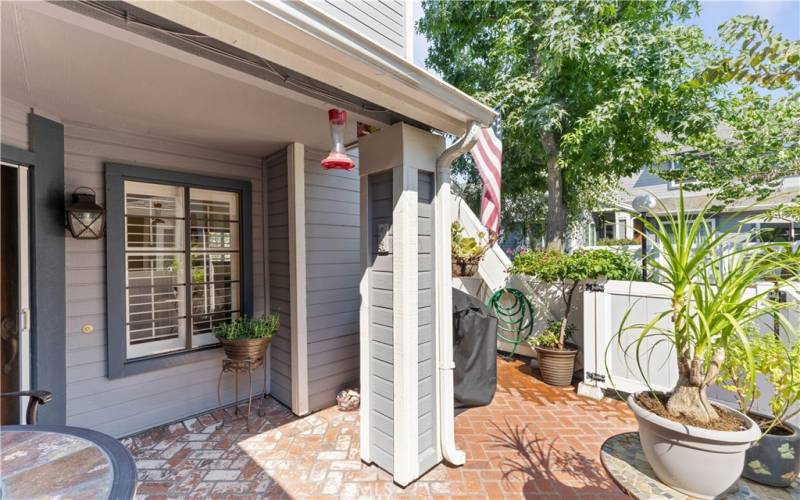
point(57, 461)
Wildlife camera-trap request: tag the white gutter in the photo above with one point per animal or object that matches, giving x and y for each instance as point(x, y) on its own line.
point(303, 38)
point(444, 295)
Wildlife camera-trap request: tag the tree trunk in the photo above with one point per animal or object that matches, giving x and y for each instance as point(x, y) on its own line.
point(567, 309)
point(690, 398)
point(556, 204)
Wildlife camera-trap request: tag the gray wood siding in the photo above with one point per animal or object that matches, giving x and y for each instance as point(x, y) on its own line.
point(382, 21)
point(333, 260)
point(426, 361)
point(130, 404)
point(276, 170)
point(381, 334)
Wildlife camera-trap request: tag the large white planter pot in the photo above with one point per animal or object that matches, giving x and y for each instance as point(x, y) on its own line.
point(702, 463)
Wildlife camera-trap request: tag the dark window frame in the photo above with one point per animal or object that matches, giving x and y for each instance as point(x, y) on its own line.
point(118, 365)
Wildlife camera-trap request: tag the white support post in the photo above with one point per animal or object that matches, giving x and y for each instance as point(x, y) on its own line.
point(297, 276)
point(364, 322)
point(405, 319)
point(396, 163)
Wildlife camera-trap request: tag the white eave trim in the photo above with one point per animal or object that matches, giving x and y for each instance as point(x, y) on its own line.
point(301, 37)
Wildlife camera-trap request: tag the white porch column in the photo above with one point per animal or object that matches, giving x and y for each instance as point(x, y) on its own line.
point(399, 390)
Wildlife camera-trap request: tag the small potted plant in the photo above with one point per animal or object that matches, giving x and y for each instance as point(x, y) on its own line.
point(693, 445)
point(467, 252)
point(774, 459)
point(555, 354)
point(567, 272)
point(247, 338)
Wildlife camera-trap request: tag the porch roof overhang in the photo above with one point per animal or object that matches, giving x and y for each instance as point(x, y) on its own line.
point(298, 36)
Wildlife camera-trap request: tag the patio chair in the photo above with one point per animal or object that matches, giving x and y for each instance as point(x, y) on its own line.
point(37, 398)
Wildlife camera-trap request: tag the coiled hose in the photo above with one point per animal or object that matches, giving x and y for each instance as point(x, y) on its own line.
point(514, 319)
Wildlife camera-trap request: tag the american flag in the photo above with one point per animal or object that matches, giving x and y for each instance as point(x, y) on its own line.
point(488, 156)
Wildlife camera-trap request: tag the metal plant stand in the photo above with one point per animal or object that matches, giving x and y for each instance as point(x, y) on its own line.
point(238, 366)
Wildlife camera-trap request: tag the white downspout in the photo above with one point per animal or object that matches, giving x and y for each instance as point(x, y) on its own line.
point(444, 295)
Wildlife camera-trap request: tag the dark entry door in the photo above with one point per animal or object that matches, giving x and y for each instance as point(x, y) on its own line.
point(14, 291)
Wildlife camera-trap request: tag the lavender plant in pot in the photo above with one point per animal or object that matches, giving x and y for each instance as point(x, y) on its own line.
point(568, 273)
point(695, 446)
point(246, 338)
point(774, 459)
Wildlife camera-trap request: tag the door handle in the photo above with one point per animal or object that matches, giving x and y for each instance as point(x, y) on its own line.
point(25, 320)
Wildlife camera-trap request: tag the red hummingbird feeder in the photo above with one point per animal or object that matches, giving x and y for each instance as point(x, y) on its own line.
point(337, 159)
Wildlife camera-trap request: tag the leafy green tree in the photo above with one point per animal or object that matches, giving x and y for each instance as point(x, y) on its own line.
point(758, 145)
point(525, 213)
point(586, 86)
point(758, 55)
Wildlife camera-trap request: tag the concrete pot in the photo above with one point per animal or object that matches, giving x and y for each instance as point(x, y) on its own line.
point(556, 366)
point(775, 459)
point(702, 463)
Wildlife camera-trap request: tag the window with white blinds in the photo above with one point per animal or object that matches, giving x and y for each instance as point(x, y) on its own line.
point(182, 265)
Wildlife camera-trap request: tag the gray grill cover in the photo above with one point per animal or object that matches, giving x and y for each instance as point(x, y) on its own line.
point(474, 351)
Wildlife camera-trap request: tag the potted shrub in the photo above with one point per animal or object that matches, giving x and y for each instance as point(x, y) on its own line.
point(556, 355)
point(467, 252)
point(567, 272)
point(247, 338)
point(775, 459)
point(695, 446)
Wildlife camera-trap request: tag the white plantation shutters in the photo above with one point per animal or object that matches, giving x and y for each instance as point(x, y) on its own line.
point(154, 261)
point(215, 261)
point(181, 273)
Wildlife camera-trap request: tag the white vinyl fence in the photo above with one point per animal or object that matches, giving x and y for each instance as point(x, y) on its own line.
point(608, 365)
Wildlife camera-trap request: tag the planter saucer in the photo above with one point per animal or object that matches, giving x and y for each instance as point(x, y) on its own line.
point(624, 460)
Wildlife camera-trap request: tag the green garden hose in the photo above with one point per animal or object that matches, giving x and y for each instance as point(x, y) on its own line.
point(515, 319)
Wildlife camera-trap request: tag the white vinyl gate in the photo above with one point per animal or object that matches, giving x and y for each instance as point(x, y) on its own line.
point(608, 366)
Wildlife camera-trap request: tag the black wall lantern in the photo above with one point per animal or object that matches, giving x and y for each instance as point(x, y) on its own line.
point(85, 218)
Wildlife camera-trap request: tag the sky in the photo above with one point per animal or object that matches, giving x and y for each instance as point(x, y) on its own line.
point(784, 15)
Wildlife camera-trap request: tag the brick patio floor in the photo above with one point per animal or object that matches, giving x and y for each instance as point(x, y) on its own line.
point(533, 441)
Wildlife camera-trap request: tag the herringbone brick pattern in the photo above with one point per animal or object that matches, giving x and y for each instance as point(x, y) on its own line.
point(533, 441)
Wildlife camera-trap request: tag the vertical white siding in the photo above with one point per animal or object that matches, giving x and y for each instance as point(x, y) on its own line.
point(332, 274)
point(382, 21)
point(280, 296)
point(126, 405)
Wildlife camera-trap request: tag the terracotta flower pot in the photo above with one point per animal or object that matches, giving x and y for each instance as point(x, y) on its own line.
point(701, 463)
point(464, 269)
point(244, 349)
point(557, 366)
point(774, 459)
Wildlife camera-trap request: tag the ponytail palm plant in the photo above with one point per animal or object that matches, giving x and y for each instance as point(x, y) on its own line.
point(711, 277)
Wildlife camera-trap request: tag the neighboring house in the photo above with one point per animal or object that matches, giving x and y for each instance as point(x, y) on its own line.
point(617, 223)
point(200, 126)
